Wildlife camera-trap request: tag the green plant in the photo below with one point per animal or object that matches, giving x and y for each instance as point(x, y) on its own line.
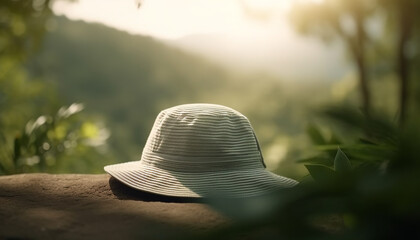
point(44, 141)
point(368, 190)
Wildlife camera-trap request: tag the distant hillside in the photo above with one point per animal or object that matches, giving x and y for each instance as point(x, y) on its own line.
point(284, 54)
point(127, 80)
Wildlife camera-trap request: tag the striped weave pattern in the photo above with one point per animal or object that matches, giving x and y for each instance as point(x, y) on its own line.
point(202, 137)
point(200, 150)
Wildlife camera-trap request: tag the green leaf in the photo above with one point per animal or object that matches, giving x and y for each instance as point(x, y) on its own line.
point(74, 108)
point(341, 162)
point(320, 173)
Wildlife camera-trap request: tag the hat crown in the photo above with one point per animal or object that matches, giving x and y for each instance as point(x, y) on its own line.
point(199, 136)
point(200, 150)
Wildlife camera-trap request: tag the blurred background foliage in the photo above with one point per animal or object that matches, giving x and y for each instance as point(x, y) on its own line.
point(124, 80)
point(75, 96)
point(39, 130)
point(362, 183)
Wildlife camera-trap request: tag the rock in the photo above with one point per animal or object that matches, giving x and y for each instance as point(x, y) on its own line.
point(75, 206)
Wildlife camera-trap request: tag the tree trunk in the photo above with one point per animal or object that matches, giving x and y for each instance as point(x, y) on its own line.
point(402, 58)
point(359, 58)
point(363, 82)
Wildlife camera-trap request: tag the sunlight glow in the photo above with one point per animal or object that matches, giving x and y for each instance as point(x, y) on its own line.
point(245, 33)
point(276, 153)
point(169, 19)
point(268, 4)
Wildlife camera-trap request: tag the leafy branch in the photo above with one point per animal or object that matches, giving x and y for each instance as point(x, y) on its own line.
point(46, 139)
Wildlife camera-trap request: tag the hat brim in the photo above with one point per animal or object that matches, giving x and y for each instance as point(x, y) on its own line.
point(237, 183)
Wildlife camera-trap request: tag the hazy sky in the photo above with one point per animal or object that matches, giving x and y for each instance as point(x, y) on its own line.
point(171, 19)
point(254, 33)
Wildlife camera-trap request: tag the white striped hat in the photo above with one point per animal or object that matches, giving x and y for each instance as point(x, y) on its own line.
point(200, 150)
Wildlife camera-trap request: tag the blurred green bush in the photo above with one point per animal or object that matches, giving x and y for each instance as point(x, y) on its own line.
point(368, 190)
point(43, 143)
point(54, 141)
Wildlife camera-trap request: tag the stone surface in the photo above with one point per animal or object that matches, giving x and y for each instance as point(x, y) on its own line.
point(73, 206)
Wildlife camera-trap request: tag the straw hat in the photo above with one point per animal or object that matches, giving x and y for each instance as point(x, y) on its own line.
point(200, 150)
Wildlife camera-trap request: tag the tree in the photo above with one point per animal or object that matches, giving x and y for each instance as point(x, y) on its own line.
point(346, 20)
point(402, 21)
point(22, 26)
point(28, 142)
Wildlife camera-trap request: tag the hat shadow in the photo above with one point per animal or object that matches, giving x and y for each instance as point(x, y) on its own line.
point(124, 192)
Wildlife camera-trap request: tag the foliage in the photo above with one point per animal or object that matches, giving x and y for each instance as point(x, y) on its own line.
point(352, 22)
point(22, 26)
point(345, 20)
point(41, 144)
point(125, 80)
point(128, 79)
point(48, 143)
point(367, 191)
point(403, 19)
point(368, 188)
